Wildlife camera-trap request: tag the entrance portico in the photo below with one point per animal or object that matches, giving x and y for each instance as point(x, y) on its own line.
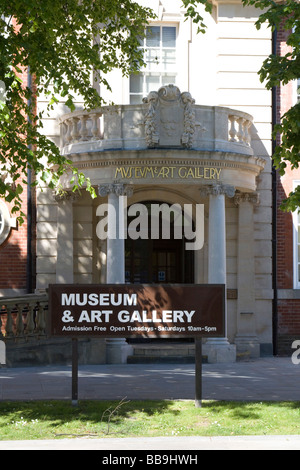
point(172, 151)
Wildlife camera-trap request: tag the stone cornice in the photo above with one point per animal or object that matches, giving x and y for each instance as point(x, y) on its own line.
point(174, 157)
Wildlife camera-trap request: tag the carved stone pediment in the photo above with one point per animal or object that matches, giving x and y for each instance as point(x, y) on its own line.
point(170, 118)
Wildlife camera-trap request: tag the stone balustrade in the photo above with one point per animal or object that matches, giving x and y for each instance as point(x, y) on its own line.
point(81, 126)
point(23, 318)
point(239, 128)
point(136, 127)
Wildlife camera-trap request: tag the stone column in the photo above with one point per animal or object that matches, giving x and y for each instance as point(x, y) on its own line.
point(246, 339)
point(218, 349)
point(65, 239)
point(117, 350)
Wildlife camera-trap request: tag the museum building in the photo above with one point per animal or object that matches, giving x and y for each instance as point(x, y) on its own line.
point(194, 129)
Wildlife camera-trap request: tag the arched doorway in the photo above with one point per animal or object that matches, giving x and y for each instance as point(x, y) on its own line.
point(158, 261)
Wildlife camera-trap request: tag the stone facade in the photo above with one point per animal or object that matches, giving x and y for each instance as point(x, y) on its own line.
point(206, 139)
point(211, 128)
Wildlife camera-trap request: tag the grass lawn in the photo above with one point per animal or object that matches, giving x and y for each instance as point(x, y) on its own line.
point(59, 419)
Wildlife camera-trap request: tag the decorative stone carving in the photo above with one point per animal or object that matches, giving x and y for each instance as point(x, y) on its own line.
point(169, 93)
point(217, 189)
point(66, 195)
point(246, 197)
point(189, 120)
point(170, 118)
point(117, 188)
point(151, 127)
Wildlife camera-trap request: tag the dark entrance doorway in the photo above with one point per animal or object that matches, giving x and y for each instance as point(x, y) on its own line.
point(158, 261)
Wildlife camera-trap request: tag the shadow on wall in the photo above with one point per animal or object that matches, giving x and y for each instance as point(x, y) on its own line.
point(13, 262)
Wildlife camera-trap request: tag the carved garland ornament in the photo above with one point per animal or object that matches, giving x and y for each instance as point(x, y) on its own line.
point(166, 96)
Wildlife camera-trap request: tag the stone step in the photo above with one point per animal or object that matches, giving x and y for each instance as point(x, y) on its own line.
point(164, 349)
point(163, 353)
point(160, 360)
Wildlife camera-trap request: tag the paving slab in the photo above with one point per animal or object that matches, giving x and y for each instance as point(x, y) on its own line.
point(271, 378)
point(265, 379)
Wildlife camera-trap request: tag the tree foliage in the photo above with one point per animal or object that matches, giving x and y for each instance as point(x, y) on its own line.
point(279, 70)
point(276, 71)
point(62, 43)
point(192, 11)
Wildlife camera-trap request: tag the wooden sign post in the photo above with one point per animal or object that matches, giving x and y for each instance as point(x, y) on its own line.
point(147, 311)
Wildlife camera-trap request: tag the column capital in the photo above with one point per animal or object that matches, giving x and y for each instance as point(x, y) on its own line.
point(253, 198)
point(217, 189)
point(119, 189)
point(65, 195)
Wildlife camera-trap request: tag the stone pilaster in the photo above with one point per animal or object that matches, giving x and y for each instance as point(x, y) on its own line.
point(117, 350)
point(218, 349)
point(65, 238)
point(246, 339)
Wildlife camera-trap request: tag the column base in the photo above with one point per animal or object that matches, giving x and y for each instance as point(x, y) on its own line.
point(219, 350)
point(248, 344)
point(117, 351)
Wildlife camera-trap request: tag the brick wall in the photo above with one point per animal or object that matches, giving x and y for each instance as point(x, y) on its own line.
point(13, 256)
point(288, 309)
point(288, 325)
point(13, 252)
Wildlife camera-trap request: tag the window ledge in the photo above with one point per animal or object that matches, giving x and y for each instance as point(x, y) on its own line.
point(287, 294)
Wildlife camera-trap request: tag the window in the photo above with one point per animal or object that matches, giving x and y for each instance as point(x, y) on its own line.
point(160, 58)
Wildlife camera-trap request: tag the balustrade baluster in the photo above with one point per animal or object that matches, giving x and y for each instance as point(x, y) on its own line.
point(101, 126)
point(95, 129)
point(232, 130)
point(83, 128)
point(74, 131)
point(68, 135)
point(9, 333)
point(30, 320)
point(62, 133)
point(19, 321)
point(247, 137)
point(40, 320)
point(241, 133)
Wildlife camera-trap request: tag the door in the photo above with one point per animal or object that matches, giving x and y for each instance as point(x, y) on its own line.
point(158, 261)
